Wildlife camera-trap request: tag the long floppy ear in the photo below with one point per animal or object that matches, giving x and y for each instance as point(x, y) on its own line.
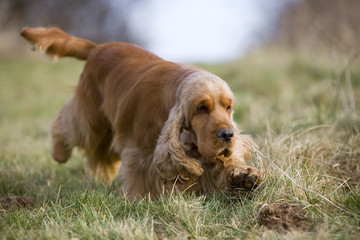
point(243, 147)
point(248, 145)
point(170, 158)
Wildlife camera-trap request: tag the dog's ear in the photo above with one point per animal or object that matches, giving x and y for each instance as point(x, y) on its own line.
point(170, 158)
point(243, 147)
point(246, 146)
point(249, 145)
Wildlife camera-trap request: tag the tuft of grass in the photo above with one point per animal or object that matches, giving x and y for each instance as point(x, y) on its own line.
point(302, 111)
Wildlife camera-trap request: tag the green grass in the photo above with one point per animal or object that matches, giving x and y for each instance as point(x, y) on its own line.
point(301, 110)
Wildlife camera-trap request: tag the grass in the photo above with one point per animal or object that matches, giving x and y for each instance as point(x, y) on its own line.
point(301, 110)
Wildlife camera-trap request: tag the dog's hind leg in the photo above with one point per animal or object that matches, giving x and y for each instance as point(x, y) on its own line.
point(63, 134)
point(72, 128)
point(103, 165)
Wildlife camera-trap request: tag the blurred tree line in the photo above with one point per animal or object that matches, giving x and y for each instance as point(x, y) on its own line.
point(320, 24)
point(97, 20)
point(303, 24)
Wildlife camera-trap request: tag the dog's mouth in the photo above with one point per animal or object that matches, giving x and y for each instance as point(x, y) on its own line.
point(225, 153)
point(193, 151)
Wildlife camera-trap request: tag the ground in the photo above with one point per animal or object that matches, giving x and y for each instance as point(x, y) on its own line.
point(301, 109)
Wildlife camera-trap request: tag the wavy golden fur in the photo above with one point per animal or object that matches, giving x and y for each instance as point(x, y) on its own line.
point(160, 124)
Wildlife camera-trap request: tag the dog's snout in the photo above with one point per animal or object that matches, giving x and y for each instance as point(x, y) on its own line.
point(225, 134)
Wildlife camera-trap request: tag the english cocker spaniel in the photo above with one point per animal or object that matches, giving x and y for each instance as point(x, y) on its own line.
point(161, 125)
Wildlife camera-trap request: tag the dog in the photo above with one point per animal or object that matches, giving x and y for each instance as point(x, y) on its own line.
point(160, 125)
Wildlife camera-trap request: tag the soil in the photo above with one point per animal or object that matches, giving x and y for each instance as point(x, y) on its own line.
point(284, 217)
point(12, 201)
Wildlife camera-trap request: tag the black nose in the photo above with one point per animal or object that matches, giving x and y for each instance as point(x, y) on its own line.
point(225, 134)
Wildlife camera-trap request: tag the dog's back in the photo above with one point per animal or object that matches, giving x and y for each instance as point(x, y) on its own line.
point(133, 83)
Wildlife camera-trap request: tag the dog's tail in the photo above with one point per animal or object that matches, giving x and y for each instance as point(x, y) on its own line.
point(56, 43)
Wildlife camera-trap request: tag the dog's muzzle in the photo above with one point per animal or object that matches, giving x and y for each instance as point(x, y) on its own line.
point(226, 135)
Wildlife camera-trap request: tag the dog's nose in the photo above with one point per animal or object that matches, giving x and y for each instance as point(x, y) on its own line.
point(225, 134)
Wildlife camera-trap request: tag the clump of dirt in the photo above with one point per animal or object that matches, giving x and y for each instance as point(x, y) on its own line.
point(12, 201)
point(284, 217)
point(347, 166)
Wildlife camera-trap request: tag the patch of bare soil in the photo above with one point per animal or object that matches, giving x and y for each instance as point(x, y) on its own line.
point(12, 201)
point(347, 166)
point(284, 217)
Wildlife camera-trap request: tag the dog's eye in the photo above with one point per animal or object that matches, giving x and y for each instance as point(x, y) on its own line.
point(203, 109)
point(228, 108)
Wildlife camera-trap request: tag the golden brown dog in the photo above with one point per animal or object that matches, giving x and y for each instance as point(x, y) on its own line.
point(167, 125)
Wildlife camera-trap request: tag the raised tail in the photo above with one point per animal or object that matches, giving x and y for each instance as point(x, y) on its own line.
point(56, 43)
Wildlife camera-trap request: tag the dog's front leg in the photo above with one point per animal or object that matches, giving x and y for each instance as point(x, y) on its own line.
point(243, 177)
point(228, 175)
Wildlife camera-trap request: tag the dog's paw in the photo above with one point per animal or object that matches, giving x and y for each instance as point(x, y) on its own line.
point(60, 152)
point(245, 177)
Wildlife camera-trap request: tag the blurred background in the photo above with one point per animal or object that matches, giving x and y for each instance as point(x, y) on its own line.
point(206, 31)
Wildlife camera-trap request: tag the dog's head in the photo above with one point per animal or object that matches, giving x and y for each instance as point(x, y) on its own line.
point(208, 114)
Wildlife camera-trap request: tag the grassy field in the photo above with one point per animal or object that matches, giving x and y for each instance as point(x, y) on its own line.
point(303, 111)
